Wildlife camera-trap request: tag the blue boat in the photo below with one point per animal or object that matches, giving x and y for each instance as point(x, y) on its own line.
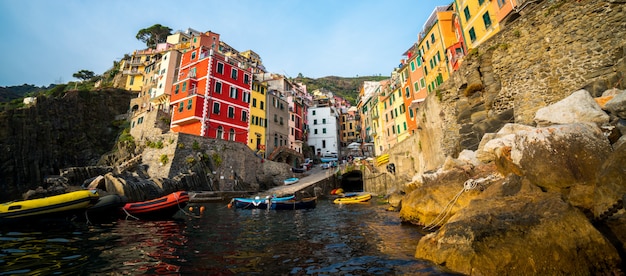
point(257, 202)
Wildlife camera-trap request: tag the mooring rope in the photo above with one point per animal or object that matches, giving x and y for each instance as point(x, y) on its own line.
point(470, 184)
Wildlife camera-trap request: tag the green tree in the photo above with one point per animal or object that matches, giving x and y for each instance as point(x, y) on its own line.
point(84, 75)
point(154, 35)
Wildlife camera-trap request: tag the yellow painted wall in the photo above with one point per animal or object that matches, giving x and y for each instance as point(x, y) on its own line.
point(258, 94)
point(478, 12)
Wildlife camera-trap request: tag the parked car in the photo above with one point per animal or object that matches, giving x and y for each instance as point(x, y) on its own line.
point(298, 170)
point(325, 166)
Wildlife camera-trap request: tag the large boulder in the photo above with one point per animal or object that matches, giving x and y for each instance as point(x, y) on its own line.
point(617, 105)
point(441, 194)
point(611, 181)
point(578, 107)
point(516, 229)
point(561, 158)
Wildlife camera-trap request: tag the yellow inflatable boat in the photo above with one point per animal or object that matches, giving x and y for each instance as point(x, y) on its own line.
point(48, 206)
point(353, 198)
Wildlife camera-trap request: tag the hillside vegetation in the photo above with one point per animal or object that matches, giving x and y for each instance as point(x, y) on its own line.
point(347, 88)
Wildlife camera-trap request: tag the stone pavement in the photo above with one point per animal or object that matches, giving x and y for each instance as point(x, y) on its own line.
point(316, 174)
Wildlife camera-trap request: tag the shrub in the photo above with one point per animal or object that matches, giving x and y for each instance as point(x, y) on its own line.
point(190, 160)
point(181, 146)
point(164, 159)
point(196, 145)
point(159, 145)
point(217, 159)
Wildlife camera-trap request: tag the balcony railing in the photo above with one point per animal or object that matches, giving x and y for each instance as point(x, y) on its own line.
point(131, 72)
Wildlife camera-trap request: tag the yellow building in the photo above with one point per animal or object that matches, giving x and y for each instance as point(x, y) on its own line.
point(437, 36)
point(478, 20)
point(258, 117)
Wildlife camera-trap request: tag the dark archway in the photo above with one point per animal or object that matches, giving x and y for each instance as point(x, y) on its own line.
point(352, 181)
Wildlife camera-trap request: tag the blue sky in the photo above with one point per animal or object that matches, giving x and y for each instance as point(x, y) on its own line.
point(45, 41)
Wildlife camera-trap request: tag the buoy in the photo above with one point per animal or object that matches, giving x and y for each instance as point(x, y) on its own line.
point(201, 209)
point(190, 209)
point(230, 205)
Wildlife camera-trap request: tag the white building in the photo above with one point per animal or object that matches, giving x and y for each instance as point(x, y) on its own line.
point(323, 130)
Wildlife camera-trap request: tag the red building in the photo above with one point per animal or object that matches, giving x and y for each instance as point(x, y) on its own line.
point(211, 96)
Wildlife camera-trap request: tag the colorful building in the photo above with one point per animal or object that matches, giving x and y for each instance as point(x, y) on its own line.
point(417, 87)
point(478, 19)
point(437, 36)
point(258, 117)
point(212, 94)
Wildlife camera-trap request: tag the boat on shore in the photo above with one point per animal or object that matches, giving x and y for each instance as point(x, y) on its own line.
point(58, 206)
point(290, 181)
point(160, 208)
point(351, 198)
point(257, 202)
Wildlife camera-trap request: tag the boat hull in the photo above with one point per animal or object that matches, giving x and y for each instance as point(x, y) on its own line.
point(48, 207)
point(160, 208)
point(257, 203)
point(106, 209)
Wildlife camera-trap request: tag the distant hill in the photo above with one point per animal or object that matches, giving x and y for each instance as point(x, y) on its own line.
point(10, 93)
point(347, 88)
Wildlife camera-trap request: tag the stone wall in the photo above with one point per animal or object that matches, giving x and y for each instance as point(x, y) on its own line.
point(553, 49)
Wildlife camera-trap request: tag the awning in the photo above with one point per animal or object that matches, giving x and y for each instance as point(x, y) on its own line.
point(415, 103)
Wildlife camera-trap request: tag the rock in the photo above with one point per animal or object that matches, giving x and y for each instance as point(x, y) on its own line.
point(490, 143)
point(617, 105)
point(442, 192)
point(562, 157)
point(523, 231)
point(611, 181)
point(98, 182)
point(578, 107)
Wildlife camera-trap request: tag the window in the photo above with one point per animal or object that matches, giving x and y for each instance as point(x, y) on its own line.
point(323, 130)
point(189, 104)
point(467, 13)
point(313, 112)
point(501, 3)
point(180, 107)
point(246, 97)
point(472, 34)
point(233, 92)
point(432, 36)
point(176, 89)
point(231, 135)
point(220, 68)
point(480, 2)
point(231, 112)
point(487, 20)
point(275, 118)
point(253, 102)
point(323, 121)
point(184, 86)
point(216, 108)
point(411, 113)
point(405, 126)
point(412, 65)
point(193, 55)
point(233, 73)
point(218, 87)
point(315, 131)
point(281, 120)
point(246, 79)
point(244, 116)
point(262, 105)
point(220, 133)
point(422, 83)
point(416, 86)
point(324, 144)
point(315, 121)
point(407, 92)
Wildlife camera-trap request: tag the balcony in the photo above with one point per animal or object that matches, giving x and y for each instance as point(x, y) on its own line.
point(131, 72)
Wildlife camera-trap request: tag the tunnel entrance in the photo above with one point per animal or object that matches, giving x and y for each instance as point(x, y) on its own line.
point(352, 181)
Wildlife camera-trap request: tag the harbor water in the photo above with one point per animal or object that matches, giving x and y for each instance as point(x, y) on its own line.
point(360, 239)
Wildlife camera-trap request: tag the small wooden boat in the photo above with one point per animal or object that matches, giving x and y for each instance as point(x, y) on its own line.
point(290, 181)
point(160, 208)
point(48, 207)
point(353, 198)
point(257, 202)
point(293, 204)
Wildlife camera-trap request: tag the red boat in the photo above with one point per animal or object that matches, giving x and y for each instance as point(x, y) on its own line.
point(161, 208)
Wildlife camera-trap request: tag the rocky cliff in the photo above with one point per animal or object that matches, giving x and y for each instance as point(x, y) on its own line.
point(73, 129)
